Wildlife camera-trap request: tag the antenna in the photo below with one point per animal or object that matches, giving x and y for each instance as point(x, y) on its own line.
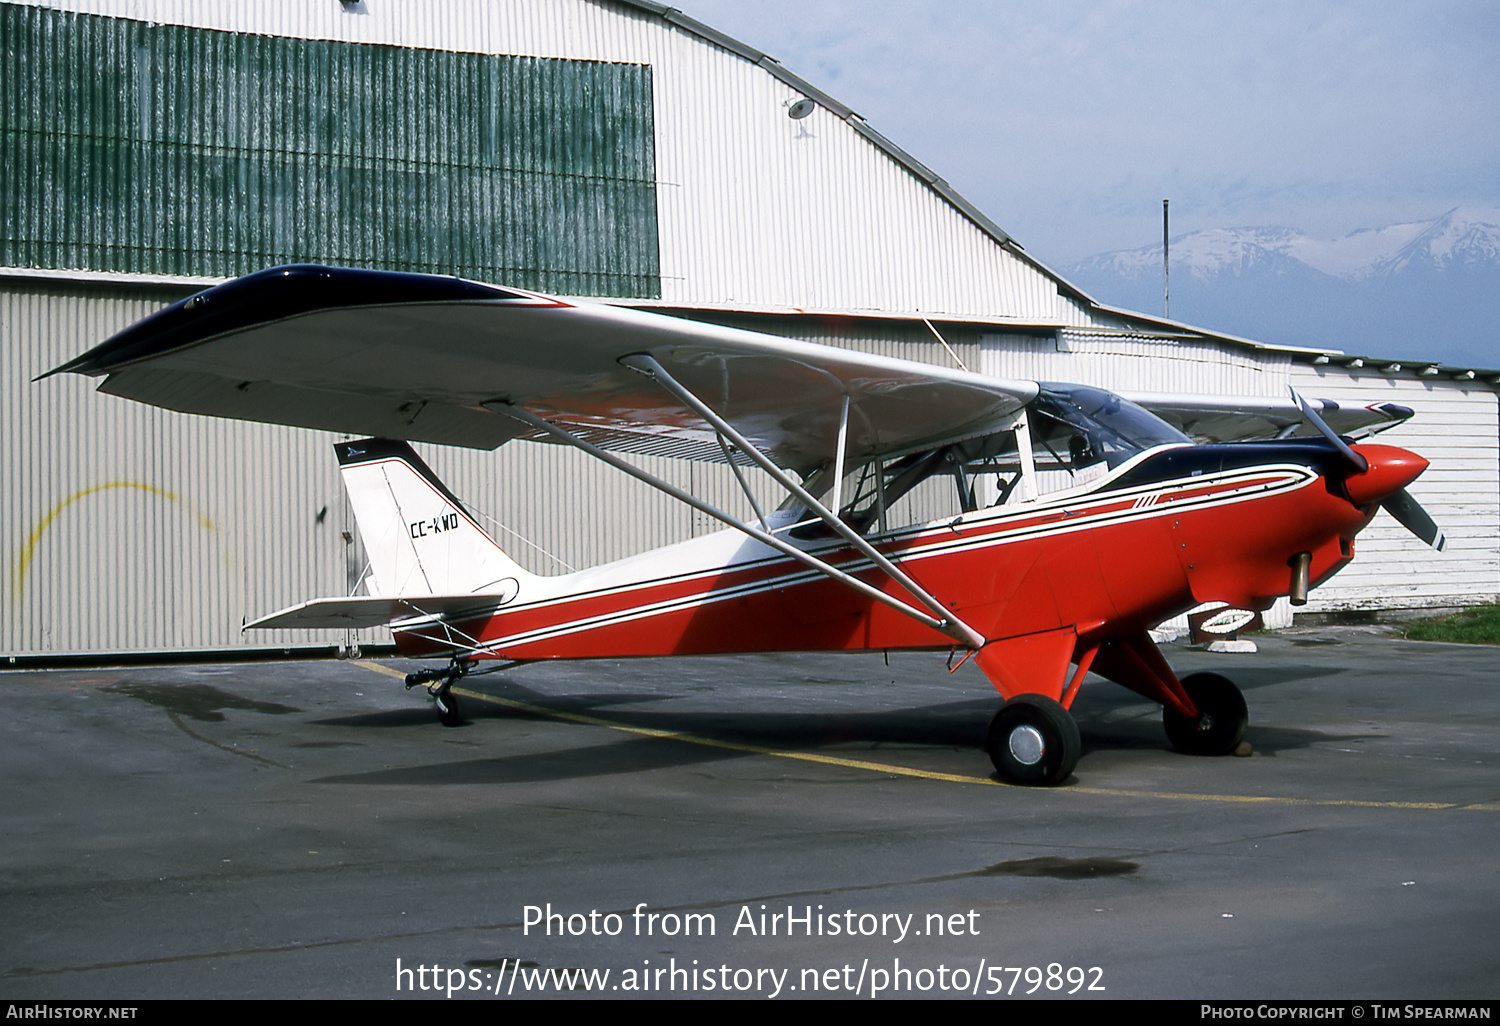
point(1166, 273)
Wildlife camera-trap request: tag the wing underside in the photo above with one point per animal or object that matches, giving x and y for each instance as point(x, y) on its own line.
point(423, 358)
point(1207, 418)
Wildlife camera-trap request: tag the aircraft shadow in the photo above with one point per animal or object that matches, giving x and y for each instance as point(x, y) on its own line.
point(630, 755)
point(1109, 719)
point(1252, 678)
point(949, 725)
point(1270, 740)
point(1113, 719)
point(421, 712)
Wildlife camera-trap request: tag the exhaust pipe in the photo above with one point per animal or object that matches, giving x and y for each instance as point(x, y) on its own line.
point(1301, 565)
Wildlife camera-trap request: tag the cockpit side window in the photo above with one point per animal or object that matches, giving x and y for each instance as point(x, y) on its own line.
point(1075, 434)
point(956, 478)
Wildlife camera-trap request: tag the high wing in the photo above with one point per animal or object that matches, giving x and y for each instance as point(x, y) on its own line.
point(426, 358)
point(1208, 418)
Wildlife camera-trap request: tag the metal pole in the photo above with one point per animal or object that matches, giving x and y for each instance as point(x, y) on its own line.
point(1166, 274)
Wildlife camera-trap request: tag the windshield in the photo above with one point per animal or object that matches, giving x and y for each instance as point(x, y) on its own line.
point(1090, 425)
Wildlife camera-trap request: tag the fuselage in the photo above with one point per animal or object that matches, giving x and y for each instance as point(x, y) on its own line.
point(1171, 528)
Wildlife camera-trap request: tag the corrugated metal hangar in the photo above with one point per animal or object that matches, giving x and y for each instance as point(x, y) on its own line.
point(593, 148)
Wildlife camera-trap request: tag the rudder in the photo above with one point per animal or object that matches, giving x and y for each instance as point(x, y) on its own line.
point(419, 537)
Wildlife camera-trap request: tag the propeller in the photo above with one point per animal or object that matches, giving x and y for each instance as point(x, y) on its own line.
point(1399, 504)
point(1410, 514)
point(1358, 462)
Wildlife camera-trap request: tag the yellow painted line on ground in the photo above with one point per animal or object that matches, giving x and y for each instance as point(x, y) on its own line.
point(906, 771)
point(1275, 800)
point(594, 721)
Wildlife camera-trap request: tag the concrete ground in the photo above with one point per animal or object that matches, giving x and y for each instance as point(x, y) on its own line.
point(300, 829)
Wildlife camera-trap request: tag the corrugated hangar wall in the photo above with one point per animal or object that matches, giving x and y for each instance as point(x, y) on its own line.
point(611, 153)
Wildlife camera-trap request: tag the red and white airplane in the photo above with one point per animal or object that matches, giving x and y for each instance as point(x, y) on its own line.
point(1040, 587)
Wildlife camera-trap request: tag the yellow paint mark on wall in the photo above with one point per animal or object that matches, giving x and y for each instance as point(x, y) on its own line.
point(32, 540)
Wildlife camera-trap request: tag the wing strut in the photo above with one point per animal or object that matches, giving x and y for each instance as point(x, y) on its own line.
point(950, 624)
point(838, 454)
point(744, 485)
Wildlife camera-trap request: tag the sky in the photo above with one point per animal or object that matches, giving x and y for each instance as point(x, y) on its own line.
point(1068, 121)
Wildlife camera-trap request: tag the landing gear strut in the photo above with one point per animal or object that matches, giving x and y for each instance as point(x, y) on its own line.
point(1222, 717)
point(439, 684)
point(1034, 742)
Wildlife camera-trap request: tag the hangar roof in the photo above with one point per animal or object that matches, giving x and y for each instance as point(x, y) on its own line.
point(1133, 318)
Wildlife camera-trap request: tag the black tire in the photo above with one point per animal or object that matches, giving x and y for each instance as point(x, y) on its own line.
point(450, 714)
point(1222, 721)
point(1034, 742)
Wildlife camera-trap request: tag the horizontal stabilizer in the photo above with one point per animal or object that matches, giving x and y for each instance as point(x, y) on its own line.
point(357, 612)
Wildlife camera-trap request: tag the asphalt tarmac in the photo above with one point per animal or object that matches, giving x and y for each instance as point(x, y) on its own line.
point(310, 830)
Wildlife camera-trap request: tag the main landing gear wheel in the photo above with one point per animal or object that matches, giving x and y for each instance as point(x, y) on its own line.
point(1221, 722)
point(1034, 742)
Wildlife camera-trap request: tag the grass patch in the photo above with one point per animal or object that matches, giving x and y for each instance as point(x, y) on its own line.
point(1477, 626)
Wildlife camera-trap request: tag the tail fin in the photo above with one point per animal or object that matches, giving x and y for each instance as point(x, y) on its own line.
point(419, 537)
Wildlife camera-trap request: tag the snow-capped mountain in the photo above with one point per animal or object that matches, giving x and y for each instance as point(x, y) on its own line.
point(1417, 290)
point(1459, 240)
point(1205, 254)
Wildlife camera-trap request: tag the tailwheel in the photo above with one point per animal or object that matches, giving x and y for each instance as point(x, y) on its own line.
point(450, 714)
point(439, 684)
point(1034, 742)
point(1222, 717)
